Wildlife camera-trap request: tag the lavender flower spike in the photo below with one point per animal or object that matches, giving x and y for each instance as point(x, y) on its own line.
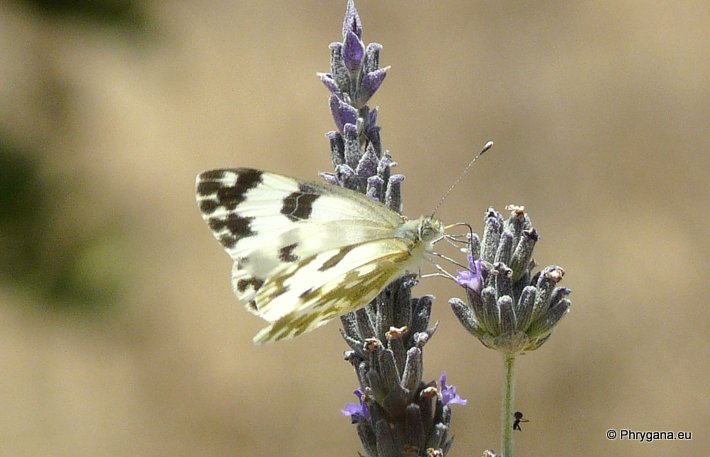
point(387, 340)
point(399, 414)
point(509, 308)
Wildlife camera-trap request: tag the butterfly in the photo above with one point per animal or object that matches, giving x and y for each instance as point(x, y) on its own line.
point(305, 253)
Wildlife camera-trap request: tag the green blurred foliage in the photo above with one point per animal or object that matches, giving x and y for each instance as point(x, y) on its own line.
point(63, 263)
point(77, 272)
point(21, 207)
point(120, 13)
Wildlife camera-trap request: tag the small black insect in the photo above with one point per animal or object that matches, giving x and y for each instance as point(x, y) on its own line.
point(518, 419)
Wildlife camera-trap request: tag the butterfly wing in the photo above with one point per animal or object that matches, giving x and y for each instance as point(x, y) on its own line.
point(267, 222)
point(307, 294)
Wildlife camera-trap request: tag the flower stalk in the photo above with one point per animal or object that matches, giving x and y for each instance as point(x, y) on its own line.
point(507, 401)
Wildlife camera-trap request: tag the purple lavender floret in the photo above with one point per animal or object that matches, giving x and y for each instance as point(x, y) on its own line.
point(353, 52)
point(448, 393)
point(351, 22)
point(343, 113)
point(329, 82)
point(357, 412)
point(369, 85)
point(472, 278)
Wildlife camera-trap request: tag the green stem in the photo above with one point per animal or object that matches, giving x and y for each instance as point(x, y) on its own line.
point(507, 404)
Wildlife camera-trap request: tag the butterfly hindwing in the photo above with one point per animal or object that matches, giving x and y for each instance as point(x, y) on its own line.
point(330, 284)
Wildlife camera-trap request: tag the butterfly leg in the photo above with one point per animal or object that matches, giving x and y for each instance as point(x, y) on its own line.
point(448, 259)
point(441, 272)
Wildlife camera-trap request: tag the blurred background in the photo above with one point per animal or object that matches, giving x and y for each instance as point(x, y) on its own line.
point(120, 335)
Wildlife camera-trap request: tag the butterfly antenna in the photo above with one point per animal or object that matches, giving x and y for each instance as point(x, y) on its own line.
point(486, 147)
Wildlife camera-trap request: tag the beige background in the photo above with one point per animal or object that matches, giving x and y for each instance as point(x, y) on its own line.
point(600, 115)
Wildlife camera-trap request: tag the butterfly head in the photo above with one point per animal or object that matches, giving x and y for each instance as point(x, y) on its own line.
point(430, 229)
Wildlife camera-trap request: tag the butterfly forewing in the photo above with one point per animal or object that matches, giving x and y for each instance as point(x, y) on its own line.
point(244, 207)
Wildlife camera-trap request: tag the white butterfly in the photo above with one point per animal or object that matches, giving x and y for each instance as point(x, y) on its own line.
point(303, 252)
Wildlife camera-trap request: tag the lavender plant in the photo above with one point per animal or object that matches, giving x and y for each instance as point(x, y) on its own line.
point(397, 414)
point(509, 308)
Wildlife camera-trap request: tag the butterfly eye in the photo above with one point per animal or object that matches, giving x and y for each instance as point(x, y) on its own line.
point(424, 229)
